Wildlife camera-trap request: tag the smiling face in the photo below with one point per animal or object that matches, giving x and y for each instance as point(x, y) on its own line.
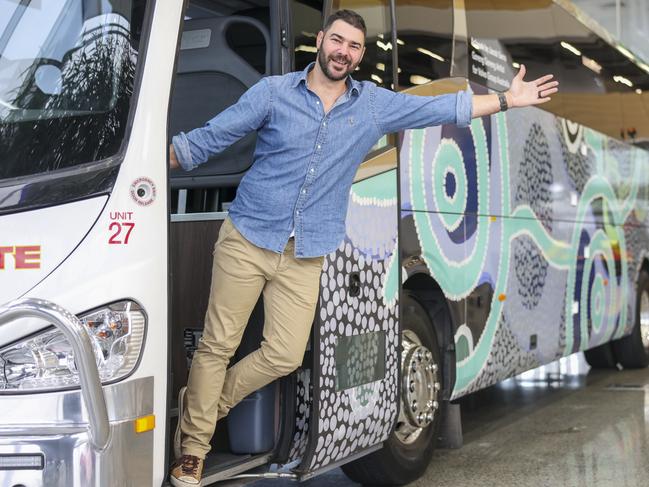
point(340, 50)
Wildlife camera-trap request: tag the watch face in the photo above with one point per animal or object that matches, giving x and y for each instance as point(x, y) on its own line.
point(503, 102)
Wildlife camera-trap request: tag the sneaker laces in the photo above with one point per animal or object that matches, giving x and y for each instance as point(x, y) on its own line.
point(189, 464)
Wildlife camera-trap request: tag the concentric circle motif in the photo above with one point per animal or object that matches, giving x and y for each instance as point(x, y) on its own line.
point(596, 300)
point(449, 184)
point(458, 173)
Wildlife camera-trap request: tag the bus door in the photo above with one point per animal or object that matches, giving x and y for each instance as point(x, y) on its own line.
point(354, 389)
point(83, 250)
point(225, 48)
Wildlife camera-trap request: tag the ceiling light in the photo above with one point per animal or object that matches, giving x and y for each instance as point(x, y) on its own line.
point(571, 48)
point(415, 79)
point(591, 64)
point(430, 54)
point(623, 80)
point(303, 48)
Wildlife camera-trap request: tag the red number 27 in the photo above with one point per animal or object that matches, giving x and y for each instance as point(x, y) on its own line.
point(117, 228)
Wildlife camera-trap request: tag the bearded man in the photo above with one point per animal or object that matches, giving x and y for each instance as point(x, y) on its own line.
point(314, 128)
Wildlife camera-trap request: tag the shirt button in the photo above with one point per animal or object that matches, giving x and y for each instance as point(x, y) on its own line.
point(317, 102)
point(304, 191)
point(312, 171)
point(319, 146)
point(298, 212)
point(324, 124)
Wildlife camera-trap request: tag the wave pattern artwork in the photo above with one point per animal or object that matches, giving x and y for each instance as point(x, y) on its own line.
point(548, 213)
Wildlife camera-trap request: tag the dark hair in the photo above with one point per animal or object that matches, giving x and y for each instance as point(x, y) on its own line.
point(349, 16)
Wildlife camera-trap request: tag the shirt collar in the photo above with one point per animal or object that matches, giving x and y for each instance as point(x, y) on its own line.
point(352, 84)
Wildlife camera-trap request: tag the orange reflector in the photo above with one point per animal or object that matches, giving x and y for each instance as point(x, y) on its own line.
point(493, 218)
point(501, 297)
point(145, 423)
point(606, 282)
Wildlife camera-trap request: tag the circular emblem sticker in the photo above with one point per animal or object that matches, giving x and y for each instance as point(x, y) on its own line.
point(143, 191)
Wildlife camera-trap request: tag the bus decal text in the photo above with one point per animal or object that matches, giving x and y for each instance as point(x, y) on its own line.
point(120, 228)
point(24, 256)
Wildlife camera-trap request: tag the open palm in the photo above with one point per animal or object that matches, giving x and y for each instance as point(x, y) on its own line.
point(525, 93)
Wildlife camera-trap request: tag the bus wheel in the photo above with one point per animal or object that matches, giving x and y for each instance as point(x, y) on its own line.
point(407, 452)
point(632, 351)
point(601, 357)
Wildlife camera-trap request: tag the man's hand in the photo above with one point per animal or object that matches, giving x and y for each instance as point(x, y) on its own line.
point(524, 93)
point(173, 161)
point(520, 94)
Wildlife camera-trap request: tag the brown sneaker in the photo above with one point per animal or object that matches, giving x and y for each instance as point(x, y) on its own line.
point(187, 472)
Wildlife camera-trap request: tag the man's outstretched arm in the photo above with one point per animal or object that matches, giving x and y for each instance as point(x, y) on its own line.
point(396, 111)
point(520, 94)
point(248, 114)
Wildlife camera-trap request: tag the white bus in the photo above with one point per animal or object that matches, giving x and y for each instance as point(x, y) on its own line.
point(470, 255)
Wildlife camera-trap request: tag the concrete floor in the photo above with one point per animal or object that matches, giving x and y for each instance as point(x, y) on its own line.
point(559, 425)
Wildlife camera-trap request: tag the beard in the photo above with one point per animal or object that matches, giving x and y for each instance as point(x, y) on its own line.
point(323, 61)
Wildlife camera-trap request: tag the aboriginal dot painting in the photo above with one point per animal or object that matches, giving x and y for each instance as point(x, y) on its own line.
point(543, 219)
point(358, 296)
point(549, 214)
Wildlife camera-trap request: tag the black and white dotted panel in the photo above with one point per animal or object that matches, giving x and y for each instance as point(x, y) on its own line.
point(354, 419)
point(302, 415)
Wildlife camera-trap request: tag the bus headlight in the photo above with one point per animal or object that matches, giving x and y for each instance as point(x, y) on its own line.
point(46, 360)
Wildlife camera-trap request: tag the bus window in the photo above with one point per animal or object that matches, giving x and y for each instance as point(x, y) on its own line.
point(600, 85)
point(502, 37)
point(376, 65)
point(377, 61)
point(306, 22)
point(223, 52)
point(67, 70)
point(425, 41)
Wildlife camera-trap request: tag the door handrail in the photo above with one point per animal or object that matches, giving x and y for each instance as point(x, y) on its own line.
point(77, 336)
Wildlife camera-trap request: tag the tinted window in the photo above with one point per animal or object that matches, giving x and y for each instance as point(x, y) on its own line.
point(211, 75)
point(306, 22)
point(600, 86)
point(66, 79)
point(425, 39)
point(502, 37)
point(377, 62)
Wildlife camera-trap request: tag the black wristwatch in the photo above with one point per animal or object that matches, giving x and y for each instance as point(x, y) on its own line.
point(503, 102)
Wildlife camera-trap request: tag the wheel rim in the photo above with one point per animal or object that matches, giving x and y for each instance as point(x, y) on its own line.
point(644, 319)
point(420, 387)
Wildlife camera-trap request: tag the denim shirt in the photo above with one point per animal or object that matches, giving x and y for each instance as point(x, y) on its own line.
point(305, 159)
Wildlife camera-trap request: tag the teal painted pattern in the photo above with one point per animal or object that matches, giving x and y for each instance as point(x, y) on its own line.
point(560, 236)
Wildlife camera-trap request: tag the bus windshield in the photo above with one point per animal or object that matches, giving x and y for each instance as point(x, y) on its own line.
point(66, 79)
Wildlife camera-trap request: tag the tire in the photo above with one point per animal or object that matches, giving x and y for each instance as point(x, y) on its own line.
point(632, 351)
point(407, 452)
point(601, 357)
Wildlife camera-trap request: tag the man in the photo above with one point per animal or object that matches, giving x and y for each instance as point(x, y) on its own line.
point(314, 128)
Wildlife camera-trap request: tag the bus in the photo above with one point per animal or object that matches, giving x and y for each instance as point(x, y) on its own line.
point(470, 254)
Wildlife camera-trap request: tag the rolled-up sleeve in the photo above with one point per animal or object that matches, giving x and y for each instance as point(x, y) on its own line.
point(464, 108)
point(183, 153)
point(400, 111)
point(246, 115)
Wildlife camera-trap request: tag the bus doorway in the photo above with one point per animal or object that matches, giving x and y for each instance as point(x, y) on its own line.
point(225, 48)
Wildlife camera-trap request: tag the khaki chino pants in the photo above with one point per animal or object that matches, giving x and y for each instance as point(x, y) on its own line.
point(240, 273)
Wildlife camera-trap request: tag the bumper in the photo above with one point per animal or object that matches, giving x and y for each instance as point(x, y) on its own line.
point(55, 427)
